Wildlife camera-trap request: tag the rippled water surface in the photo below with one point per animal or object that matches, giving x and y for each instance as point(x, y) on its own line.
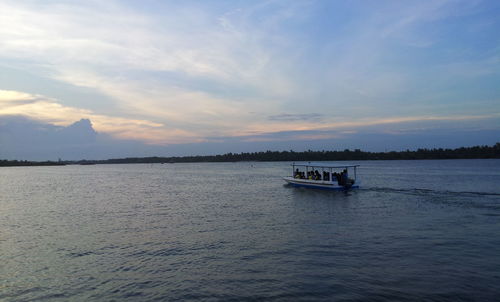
point(416, 230)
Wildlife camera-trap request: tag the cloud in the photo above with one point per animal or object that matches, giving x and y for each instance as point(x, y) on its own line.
point(347, 124)
point(288, 127)
point(9, 98)
point(296, 117)
point(48, 110)
point(104, 51)
point(24, 138)
point(397, 126)
point(190, 41)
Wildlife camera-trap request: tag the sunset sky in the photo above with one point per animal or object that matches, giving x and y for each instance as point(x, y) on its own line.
point(325, 74)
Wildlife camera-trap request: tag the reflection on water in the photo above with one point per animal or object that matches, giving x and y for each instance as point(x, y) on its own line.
point(416, 230)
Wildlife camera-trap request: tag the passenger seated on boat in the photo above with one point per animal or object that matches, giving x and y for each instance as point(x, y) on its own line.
point(343, 178)
point(309, 175)
point(337, 177)
point(296, 174)
point(317, 176)
point(326, 176)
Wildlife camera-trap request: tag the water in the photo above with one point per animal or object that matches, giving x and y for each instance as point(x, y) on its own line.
point(417, 230)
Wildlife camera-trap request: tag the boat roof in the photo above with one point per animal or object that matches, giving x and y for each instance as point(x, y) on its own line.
point(324, 166)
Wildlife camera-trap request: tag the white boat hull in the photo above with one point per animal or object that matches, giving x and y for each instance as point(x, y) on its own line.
point(317, 184)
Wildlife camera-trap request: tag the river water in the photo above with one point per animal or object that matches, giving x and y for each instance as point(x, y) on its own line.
point(415, 230)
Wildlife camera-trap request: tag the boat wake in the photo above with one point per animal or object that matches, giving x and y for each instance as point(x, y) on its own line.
point(418, 191)
point(466, 199)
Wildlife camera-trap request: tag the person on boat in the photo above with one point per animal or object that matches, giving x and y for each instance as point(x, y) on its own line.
point(343, 177)
point(296, 174)
point(317, 176)
point(336, 176)
point(340, 178)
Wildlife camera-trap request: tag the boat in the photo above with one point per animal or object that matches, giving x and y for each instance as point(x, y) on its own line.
point(323, 177)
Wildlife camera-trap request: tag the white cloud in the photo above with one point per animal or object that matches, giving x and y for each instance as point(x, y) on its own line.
point(101, 46)
point(51, 111)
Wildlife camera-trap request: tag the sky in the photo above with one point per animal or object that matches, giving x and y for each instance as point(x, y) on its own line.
point(143, 78)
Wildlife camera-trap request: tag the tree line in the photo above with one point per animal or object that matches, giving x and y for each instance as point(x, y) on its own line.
point(16, 163)
point(309, 155)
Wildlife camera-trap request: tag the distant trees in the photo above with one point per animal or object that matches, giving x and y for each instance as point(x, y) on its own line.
point(309, 155)
point(14, 163)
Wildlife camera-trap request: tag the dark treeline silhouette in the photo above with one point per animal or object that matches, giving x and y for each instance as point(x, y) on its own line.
point(459, 153)
point(15, 163)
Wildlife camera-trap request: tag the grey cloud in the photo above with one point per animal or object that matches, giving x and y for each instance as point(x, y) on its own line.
point(296, 117)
